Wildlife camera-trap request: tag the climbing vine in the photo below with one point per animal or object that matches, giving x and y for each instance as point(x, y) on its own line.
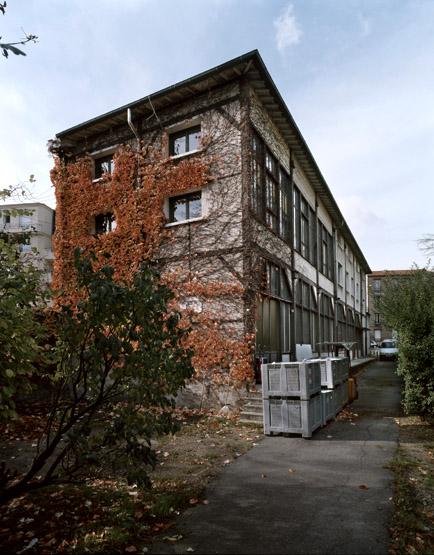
point(135, 193)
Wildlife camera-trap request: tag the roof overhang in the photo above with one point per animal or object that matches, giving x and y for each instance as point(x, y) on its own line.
point(252, 67)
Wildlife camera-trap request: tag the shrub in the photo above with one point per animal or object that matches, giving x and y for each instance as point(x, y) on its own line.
point(407, 305)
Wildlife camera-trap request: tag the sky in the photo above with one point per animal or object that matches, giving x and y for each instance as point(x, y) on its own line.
point(358, 77)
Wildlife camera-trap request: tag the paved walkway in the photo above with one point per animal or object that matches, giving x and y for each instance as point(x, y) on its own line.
point(328, 495)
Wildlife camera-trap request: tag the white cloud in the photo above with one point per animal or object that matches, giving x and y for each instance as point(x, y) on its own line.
point(288, 31)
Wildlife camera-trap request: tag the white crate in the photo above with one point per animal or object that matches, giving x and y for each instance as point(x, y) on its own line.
point(292, 416)
point(328, 405)
point(333, 371)
point(291, 379)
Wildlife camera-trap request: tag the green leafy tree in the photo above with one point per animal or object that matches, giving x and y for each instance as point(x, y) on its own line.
point(407, 305)
point(121, 361)
point(22, 334)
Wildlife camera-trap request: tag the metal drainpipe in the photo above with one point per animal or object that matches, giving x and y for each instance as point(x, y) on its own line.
point(136, 135)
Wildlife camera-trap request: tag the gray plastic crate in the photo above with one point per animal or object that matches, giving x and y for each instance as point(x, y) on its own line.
point(344, 368)
point(291, 379)
point(341, 396)
point(292, 416)
point(333, 371)
point(328, 405)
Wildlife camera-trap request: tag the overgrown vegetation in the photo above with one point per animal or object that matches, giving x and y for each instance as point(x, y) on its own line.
point(120, 352)
point(407, 305)
point(104, 514)
point(22, 336)
point(413, 466)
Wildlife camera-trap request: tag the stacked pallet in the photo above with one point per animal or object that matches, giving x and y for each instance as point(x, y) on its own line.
point(292, 397)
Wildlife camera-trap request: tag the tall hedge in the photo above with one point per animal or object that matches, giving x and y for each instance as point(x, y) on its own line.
point(407, 305)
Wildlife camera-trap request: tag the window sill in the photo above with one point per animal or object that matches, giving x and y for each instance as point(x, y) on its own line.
point(192, 220)
point(106, 178)
point(184, 154)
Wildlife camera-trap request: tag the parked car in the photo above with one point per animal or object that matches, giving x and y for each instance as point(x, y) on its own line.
point(388, 350)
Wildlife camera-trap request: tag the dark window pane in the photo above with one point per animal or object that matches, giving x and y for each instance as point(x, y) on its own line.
point(104, 223)
point(266, 323)
point(103, 165)
point(284, 288)
point(274, 325)
point(306, 327)
point(275, 276)
point(298, 325)
point(259, 325)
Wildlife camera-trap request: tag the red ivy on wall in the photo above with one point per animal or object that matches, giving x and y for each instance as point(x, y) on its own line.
point(135, 194)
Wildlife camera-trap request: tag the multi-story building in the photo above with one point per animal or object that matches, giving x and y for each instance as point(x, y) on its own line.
point(32, 225)
point(378, 330)
point(266, 219)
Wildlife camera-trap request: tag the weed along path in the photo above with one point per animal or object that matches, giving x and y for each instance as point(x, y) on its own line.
point(330, 495)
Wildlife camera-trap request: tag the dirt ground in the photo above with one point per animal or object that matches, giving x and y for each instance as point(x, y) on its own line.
point(412, 528)
point(104, 514)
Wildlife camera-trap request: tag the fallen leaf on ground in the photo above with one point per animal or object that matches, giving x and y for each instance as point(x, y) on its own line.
point(173, 538)
point(363, 487)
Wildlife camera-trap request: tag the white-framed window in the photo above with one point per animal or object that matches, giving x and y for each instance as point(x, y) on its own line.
point(185, 207)
point(184, 141)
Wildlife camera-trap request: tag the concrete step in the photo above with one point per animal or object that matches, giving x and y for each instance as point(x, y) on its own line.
point(253, 395)
point(252, 408)
point(252, 416)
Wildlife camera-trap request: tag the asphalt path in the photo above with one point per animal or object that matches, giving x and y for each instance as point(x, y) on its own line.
point(330, 494)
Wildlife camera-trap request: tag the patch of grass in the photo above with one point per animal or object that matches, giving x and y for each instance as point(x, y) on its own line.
point(412, 526)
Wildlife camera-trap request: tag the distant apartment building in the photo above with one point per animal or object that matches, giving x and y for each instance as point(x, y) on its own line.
point(267, 221)
point(378, 330)
point(33, 232)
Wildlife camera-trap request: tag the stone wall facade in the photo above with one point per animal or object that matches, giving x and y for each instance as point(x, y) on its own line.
point(285, 254)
